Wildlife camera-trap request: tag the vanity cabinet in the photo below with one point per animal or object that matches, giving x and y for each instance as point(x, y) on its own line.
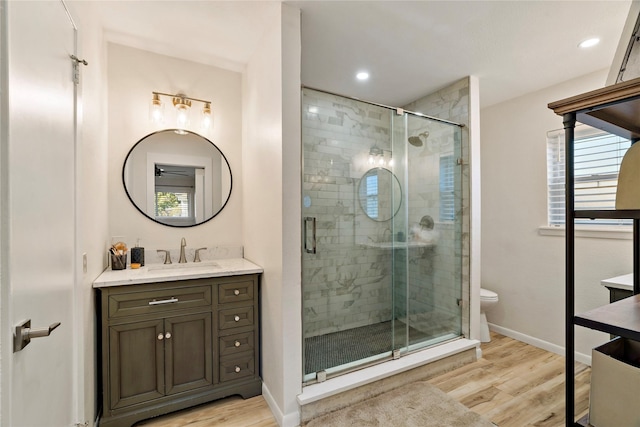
point(171, 345)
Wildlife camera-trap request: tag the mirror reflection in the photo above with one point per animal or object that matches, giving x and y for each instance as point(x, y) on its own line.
point(379, 194)
point(179, 180)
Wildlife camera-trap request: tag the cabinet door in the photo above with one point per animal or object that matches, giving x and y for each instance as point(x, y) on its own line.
point(188, 351)
point(136, 356)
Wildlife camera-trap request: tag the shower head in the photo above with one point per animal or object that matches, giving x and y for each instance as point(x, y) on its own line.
point(417, 141)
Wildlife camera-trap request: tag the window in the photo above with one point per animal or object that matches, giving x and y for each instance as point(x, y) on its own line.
point(447, 183)
point(372, 196)
point(176, 204)
point(597, 162)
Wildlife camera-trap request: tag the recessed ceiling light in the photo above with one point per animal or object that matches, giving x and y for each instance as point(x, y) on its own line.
point(362, 75)
point(589, 42)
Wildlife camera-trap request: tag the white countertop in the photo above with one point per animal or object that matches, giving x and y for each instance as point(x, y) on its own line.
point(620, 282)
point(169, 272)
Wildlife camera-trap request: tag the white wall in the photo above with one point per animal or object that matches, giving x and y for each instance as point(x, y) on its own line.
point(132, 75)
point(525, 268)
point(271, 155)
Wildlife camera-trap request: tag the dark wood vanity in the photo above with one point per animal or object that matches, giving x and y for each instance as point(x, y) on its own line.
point(175, 344)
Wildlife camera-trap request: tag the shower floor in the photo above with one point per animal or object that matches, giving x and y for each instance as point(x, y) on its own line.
point(339, 348)
point(343, 347)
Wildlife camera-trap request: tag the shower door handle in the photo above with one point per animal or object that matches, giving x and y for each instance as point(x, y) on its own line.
point(313, 234)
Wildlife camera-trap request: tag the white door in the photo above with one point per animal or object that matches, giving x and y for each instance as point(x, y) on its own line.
point(38, 223)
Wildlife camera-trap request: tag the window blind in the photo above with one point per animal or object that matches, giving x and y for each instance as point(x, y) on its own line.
point(597, 158)
point(447, 185)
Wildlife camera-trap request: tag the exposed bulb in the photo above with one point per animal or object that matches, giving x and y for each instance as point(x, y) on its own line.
point(207, 117)
point(156, 110)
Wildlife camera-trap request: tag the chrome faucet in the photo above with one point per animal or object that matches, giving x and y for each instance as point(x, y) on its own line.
point(183, 259)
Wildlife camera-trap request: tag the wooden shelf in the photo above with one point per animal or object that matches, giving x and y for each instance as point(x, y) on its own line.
point(607, 214)
point(619, 318)
point(614, 108)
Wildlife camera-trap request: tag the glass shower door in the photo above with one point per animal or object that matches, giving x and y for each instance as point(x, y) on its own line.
point(428, 266)
point(347, 257)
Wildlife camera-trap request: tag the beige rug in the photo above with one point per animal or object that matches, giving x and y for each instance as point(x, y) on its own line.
point(418, 404)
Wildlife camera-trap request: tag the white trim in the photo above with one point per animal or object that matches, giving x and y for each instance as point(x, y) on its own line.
point(340, 384)
point(536, 342)
point(593, 232)
point(283, 420)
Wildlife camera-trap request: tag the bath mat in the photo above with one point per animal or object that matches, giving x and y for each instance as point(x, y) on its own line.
point(417, 404)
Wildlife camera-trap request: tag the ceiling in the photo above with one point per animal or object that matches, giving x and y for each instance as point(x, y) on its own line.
point(410, 49)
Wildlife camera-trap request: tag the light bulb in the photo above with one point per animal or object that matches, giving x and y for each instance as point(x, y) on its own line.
point(370, 160)
point(390, 162)
point(381, 161)
point(156, 110)
point(207, 116)
point(182, 117)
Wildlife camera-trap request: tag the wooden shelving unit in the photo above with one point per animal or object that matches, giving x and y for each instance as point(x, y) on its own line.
point(615, 109)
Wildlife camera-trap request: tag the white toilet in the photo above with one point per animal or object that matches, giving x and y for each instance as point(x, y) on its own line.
point(487, 299)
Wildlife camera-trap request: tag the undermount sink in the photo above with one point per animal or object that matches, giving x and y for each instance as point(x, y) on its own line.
point(188, 265)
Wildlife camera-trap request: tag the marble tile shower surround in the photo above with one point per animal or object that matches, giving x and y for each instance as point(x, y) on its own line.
point(452, 103)
point(349, 283)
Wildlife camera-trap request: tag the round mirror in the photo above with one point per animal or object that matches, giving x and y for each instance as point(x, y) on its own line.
point(177, 178)
point(380, 194)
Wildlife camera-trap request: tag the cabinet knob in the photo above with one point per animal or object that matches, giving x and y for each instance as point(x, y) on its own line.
point(237, 343)
point(236, 292)
point(160, 336)
point(236, 318)
point(237, 369)
point(167, 335)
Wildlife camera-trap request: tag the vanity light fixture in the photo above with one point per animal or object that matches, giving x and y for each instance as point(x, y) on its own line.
point(182, 104)
point(378, 158)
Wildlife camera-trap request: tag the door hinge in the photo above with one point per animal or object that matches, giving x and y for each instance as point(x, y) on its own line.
point(76, 73)
point(459, 161)
point(76, 67)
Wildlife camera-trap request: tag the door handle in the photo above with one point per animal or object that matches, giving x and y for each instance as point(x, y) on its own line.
point(313, 249)
point(24, 333)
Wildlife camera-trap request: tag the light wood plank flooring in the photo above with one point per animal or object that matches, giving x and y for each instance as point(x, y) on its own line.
point(513, 385)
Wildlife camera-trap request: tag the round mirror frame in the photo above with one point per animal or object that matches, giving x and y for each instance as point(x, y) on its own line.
point(363, 204)
point(141, 140)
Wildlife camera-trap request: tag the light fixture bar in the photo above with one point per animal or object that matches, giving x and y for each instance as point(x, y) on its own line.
point(181, 96)
point(182, 103)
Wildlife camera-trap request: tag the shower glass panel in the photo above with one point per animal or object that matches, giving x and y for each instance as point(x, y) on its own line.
point(381, 233)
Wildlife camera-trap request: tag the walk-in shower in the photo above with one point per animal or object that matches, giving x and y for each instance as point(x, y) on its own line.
point(382, 233)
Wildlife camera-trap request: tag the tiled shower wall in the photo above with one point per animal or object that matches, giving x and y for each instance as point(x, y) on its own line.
point(452, 103)
point(348, 283)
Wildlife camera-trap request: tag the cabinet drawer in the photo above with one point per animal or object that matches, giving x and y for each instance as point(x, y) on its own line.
point(235, 292)
point(160, 301)
point(236, 343)
point(235, 317)
point(237, 367)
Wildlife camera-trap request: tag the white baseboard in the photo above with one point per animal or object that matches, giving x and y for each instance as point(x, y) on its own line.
point(283, 420)
point(536, 342)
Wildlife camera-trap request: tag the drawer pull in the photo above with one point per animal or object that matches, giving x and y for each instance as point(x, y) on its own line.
point(236, 292)
point(167, 335)
point(160, 337)
point(236, 318)
point(237, 343)
point(237, 369)
point(164, 301)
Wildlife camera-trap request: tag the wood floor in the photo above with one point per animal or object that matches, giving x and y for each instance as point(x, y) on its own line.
point(513, 385)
